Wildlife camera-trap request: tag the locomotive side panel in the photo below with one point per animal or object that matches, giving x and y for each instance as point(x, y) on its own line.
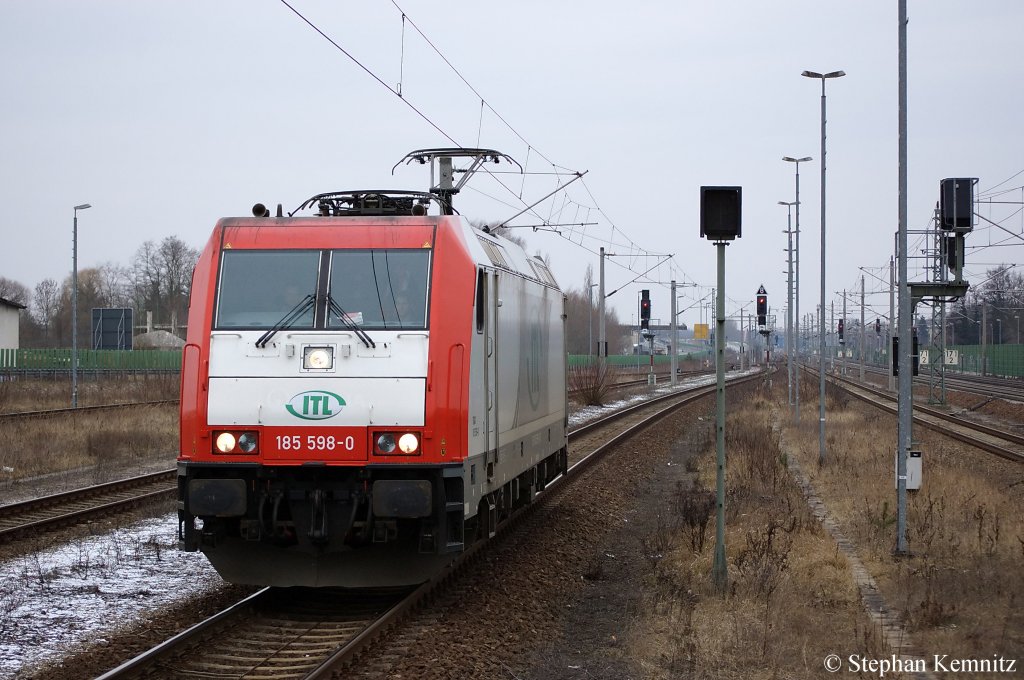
point(531, 403)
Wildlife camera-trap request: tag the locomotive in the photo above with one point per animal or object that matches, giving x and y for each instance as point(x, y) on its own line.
point(367, 389)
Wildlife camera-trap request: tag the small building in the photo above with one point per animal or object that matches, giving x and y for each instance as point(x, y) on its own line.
point(9, 323)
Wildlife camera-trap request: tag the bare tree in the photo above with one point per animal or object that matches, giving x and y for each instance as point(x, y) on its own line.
point(45, 309)
point(13, 291)
point(177, 261)
point(161, 277)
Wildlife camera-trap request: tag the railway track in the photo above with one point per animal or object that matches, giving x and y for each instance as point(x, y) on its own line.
point(663, 380)
point(18, 520)
point(312, 633)
point(997, 441)
point(987, 386)
point(52, 413)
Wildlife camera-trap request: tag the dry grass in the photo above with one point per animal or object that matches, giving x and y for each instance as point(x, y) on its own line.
point(790, 600)
point(960, 592)
point(106, 444)
point(39, 394)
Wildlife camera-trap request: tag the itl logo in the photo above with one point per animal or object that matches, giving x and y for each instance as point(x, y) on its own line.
point(315, 405)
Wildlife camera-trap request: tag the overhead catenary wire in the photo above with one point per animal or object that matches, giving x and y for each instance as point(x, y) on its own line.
point(531, 149)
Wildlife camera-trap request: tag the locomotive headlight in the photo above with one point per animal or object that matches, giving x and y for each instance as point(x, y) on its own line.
point(247, 442)
point(225, 442)
point(317, 358)
point(386, 443)
point(408, 443)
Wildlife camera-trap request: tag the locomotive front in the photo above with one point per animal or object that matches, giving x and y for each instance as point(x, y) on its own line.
point(305, 399)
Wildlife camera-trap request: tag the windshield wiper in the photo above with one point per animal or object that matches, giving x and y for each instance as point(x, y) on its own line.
point(287, 320)
point(349, 323)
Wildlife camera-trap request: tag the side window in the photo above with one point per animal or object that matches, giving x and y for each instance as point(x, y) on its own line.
point(481, 299)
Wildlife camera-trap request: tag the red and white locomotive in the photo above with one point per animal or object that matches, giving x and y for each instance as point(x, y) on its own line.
point(367, 389)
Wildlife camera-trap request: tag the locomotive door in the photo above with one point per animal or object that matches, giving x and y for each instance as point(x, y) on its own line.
point(489, 296)
point(486, 326)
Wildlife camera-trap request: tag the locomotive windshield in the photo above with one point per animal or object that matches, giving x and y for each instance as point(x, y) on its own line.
point(380, 288)
point(260, 287)
point(376, 289)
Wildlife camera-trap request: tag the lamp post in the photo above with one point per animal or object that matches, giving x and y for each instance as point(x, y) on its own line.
point(796, 280)
point(74, 306)
point(1017, 317)
point(789, 298)
point(821, 339)
point(999, 337)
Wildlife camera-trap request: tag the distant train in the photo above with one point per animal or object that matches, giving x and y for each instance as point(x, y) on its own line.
point(366, 389)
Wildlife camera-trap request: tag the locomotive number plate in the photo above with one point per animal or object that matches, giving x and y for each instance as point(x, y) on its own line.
point(314, 443)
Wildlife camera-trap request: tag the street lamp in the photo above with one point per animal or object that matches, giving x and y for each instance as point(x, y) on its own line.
point(74, 306)
point(796, 280)
point(789, 297)
point(821, 338)
point(1017, 317)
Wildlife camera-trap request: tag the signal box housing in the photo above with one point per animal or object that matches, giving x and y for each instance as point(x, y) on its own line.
point(720, 213)
point(915, 470)
point(956, 204)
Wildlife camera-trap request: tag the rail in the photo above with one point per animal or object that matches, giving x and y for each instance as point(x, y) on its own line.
point(20, 519)
point(318, 664)
point(1001, 443)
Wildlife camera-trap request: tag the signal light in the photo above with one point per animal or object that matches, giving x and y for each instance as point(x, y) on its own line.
point(841, 331)
point(878, 326)
point(645, 308)
point(762, 307)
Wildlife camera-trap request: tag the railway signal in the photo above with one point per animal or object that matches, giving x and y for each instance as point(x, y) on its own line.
point(720, 222)
point(841, 340)
point(645, 309)
point(762, 306)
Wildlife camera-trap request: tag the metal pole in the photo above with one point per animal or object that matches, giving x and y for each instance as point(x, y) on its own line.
point(942, 352)
point(74, 312)
point(831, 325)
point(590, 320)
point(842, 344)
point(892, 322)
point(984, 328)
point(721, 574)
point(906, 370)
point(602, 343)
point(74, 305)
point(796, 285)
point(675, 338)
point(789, 306)
point(863, 334)
point(821, 339)
point(743, 342)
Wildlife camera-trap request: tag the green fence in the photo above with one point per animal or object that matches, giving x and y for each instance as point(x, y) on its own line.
point(628, 360)
point(999, 360)
point(1005, 361)
point(28, 360)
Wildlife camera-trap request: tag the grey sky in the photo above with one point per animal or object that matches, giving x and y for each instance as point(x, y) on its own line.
point(166, 116)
